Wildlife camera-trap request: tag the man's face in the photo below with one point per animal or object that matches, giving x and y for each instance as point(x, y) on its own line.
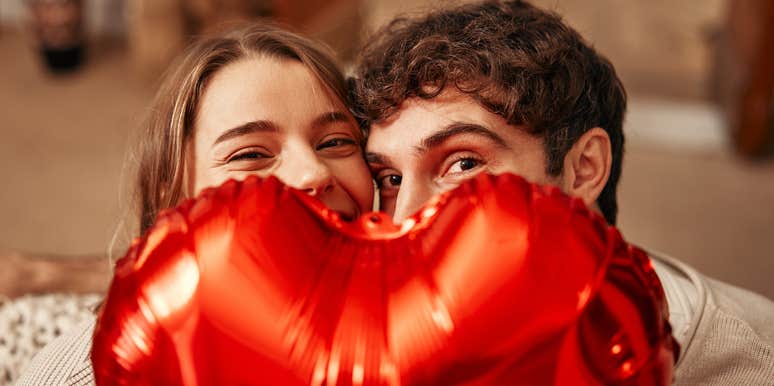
point(431, 146)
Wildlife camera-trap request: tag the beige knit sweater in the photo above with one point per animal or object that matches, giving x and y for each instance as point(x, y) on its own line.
point(726, 336)
point(726, 333)
point(65, 361)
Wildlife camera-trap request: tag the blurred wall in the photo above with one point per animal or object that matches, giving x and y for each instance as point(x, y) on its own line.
point(102, 17)
point(659, 47)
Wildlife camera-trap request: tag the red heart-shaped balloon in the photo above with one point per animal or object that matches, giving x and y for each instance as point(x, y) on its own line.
point(498, 282)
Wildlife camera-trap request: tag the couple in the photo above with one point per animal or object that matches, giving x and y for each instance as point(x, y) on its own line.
point(495, 87)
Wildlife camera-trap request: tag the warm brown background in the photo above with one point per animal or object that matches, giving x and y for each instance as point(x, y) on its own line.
point(63, 139)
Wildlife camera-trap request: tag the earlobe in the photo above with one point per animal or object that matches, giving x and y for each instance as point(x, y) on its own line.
point(587, 166)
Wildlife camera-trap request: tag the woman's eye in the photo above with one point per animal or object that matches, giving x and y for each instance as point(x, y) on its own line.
point(463, 165)
point(248, 156)
point(336, 142)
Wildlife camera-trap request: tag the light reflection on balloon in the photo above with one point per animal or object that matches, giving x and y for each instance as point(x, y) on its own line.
point(498, 282)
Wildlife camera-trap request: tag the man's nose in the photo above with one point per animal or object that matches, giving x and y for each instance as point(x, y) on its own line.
point(411, 196)
point(305, 171)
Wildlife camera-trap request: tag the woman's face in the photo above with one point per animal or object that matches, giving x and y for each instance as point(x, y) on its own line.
point(268, 116)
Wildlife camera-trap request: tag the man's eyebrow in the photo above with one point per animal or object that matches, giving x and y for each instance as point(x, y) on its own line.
point(376, 158)
point(454, 129)
point(246, 128)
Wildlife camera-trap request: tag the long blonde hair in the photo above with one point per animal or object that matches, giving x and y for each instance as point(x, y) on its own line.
point(162, 148)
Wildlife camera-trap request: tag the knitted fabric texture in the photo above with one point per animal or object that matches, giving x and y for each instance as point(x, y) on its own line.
point(29, 323)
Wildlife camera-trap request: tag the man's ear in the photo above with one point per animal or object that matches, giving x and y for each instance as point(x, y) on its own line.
point(587, 166)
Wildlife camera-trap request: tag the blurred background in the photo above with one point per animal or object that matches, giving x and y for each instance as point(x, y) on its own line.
point(77, 76)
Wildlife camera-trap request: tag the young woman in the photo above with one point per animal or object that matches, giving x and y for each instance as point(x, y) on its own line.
point(258, 100)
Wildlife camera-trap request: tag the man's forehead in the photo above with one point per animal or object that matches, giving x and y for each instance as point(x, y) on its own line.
point(443, 106)
point(417, 118)
point(423, 124)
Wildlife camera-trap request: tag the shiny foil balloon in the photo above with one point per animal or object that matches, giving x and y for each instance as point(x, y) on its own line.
point(498, 282)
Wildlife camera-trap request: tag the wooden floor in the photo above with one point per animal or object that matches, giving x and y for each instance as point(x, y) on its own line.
point(62, 155)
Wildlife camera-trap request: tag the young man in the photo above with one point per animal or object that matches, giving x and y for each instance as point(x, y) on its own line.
point(506, 87)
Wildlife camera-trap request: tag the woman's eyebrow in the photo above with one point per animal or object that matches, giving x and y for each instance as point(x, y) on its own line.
point(330, 117)
point(439, 137)
point(246, 128)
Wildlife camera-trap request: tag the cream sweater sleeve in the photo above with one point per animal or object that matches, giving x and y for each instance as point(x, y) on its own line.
point(64, 361)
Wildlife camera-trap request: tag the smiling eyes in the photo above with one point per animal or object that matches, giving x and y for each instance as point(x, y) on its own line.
point(337, 142)
point(250, 154)
point(334, 147)
point(389, 181)
point(459, 167)
point(463, 165)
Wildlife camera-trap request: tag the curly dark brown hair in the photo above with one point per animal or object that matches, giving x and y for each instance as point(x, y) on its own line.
point(516, 60)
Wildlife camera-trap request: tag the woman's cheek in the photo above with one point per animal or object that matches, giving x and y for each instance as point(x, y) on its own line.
point(210, 178)
point(355, 177)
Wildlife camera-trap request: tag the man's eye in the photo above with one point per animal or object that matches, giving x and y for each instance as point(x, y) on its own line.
point(336, 142)
point(463, 165)
point(389, 181)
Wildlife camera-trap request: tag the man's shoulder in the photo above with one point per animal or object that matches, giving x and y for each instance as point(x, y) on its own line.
point(755, 309)
point(712, 295)
point(730, 331)
point(734, 340)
